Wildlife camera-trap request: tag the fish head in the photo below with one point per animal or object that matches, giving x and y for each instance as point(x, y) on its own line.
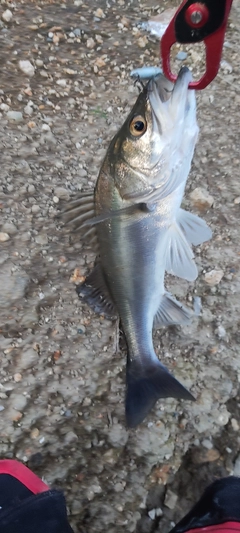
point(160, 132)
point(173, 116)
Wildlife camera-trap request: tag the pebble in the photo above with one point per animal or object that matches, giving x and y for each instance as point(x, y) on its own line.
point(42, 239)
point(224, 65)
point(155, 513)
point(26, 67)
point(142, 41)
point(181, 56)
point(235, 424)
point(211, 455)
point(207, 444)
point(70, 437)
point(35, 209)
point(62, 82)
point(201, 198)
point(99, 13)
point(152, 514)
point(18, 402)
point(46, 127)
point(197, 305)
point(16, 116)
point(28, 109)
point(9, 228)
point(202, 455)
point(170, 499)
point(4, 236)
point(100, 62)
point(221, 332)
point(34, 433)
point(26, 236)
point(118, 436)
point(43, 73)
point(223, 418)
point(61, 193)
point(237, 200)
point(119, 487)
point(213, 277)
point(39, 62)
point(17, 377)
point(7, 15)
point(28, 359)
point(90, 43)
point(4, 107)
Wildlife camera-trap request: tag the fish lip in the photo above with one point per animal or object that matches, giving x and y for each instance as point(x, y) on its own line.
point(183, 79)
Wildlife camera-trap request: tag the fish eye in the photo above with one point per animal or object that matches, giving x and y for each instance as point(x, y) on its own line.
point(138, 126)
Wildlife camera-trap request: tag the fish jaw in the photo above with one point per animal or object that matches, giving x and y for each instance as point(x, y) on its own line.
point(175, 124)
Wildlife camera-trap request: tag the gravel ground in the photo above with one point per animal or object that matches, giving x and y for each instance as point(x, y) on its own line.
point(65, 90)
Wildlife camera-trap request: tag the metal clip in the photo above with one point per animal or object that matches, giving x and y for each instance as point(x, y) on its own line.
point(194, 22)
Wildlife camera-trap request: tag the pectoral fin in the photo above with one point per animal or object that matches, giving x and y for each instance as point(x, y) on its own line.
point(171, 312)
point(194, 228)
point(79, 210)
point(179, 258)
point(95, 292)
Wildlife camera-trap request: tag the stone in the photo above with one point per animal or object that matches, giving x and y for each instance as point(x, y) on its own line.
point(28, 359)
point(7, 15)
point(201, 198)
point(26, 67)
point(4, 236)
point(42, 239)
point(9, 228)
point(181, 56)
point(213, 277)
point(170, 499)
point(15, 116)
point(61, 193)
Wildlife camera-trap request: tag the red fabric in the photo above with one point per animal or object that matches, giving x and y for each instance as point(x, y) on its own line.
point(226, 527)
point(24, 475)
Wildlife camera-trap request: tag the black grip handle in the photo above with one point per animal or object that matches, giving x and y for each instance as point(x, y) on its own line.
point(187, 34)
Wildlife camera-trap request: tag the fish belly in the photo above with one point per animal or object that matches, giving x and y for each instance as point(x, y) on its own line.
point(132, 258)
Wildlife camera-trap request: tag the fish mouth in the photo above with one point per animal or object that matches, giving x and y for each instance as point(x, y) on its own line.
point(173, 116)
point(171, 102)
point(182, 82)
point(164, 88)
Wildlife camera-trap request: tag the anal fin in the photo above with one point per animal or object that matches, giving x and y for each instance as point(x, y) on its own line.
point(194, 228)
point(171, 312)
point(95, 292)
point(179, 257)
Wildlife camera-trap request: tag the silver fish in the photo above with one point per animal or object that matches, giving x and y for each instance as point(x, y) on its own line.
point(142, 232)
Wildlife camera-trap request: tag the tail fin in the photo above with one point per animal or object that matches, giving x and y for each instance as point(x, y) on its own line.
point(146, 383)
